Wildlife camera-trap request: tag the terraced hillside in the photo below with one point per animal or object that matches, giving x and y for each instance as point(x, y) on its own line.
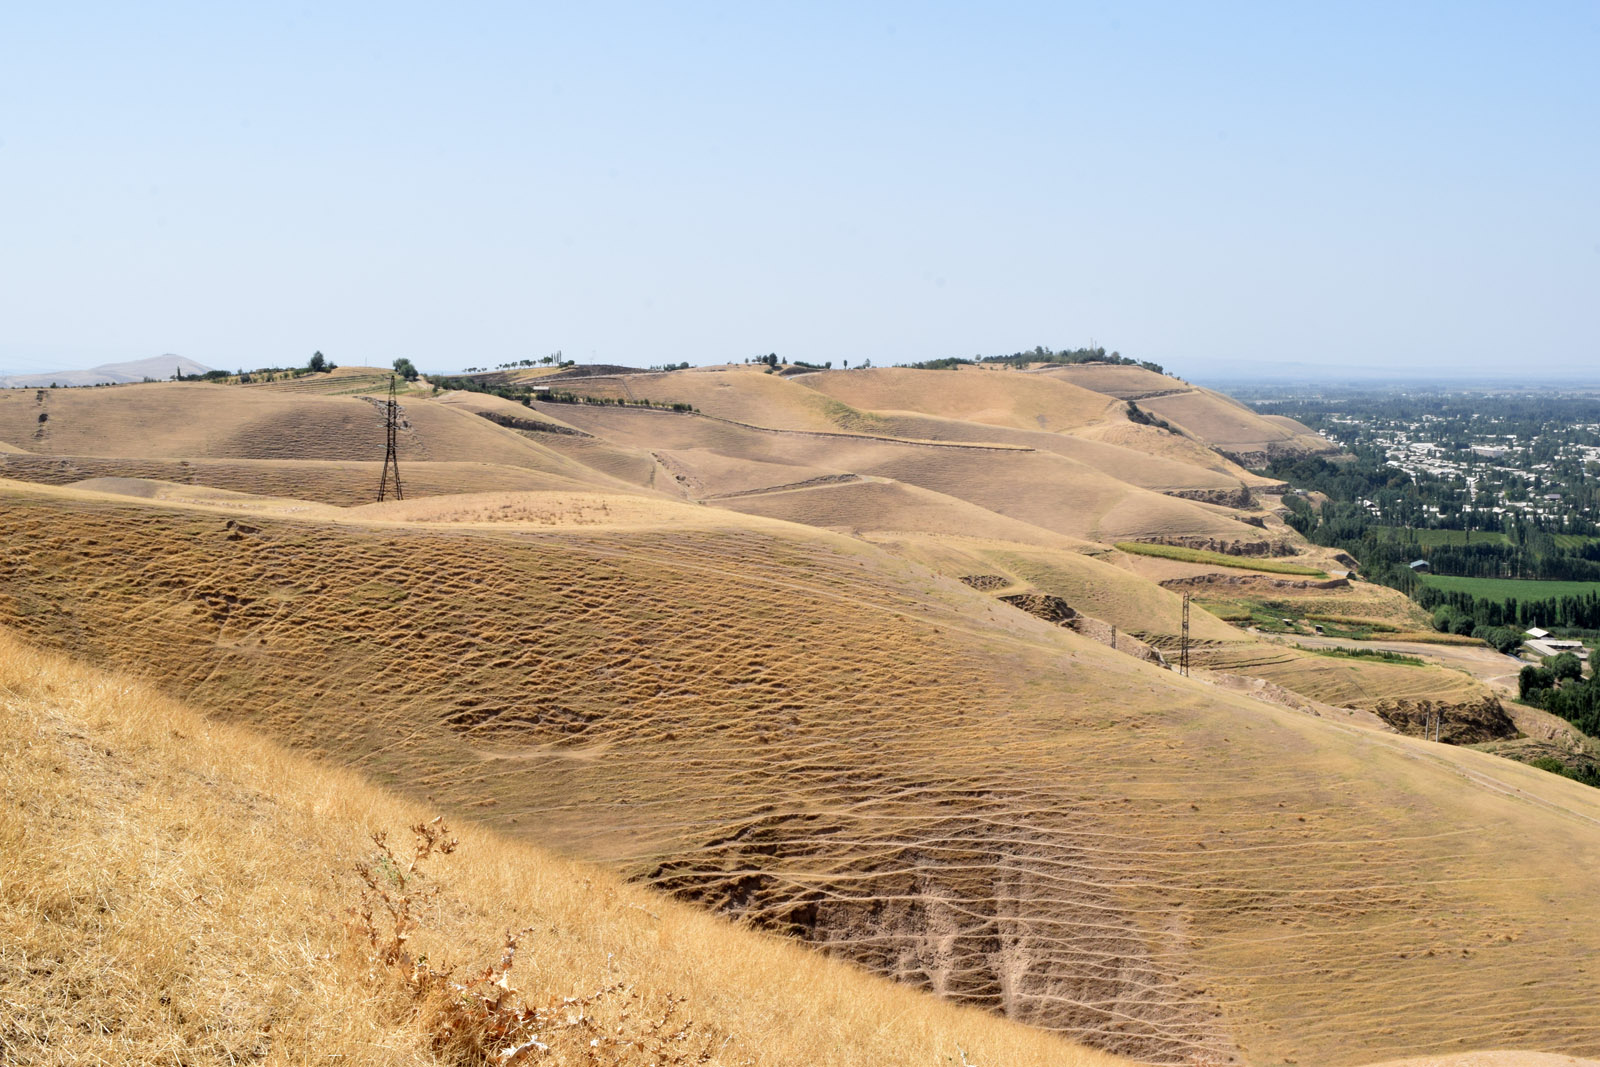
point(1209, 416)
point(832, 740)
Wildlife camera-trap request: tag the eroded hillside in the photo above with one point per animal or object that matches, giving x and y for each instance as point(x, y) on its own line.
point(807, 732)
point(856, 658)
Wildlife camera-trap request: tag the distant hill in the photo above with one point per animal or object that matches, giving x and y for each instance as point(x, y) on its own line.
point(160, 368)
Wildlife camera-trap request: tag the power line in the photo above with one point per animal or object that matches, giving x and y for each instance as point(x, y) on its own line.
point(391, 426)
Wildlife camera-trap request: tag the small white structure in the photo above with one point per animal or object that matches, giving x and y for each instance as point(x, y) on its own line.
point(1550, 646)
point(1420, 565)
point(1536, 634)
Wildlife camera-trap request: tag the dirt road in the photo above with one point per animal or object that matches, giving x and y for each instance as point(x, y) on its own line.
point(1494, 669)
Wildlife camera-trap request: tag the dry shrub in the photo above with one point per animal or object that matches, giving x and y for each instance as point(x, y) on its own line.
point(479, 1017)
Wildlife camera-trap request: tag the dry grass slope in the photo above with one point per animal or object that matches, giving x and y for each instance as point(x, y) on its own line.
point(828, 740)
point(177, 891)
point(1046, 489)
point(1228, 425)
point(981, 395)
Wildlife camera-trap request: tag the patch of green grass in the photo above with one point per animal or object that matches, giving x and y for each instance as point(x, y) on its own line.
point(1218, 559)
point(1270, 616)
point(1366, 653)
point(1227, 612)
point(1510, 588)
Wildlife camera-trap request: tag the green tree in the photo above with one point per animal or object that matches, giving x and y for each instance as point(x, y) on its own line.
point(318, 362)
point(1565, 666)
point(1500, 638)
point(404, 368)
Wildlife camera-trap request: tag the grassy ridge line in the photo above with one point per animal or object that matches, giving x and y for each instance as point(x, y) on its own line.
point(1217, 559)
point(186, 881)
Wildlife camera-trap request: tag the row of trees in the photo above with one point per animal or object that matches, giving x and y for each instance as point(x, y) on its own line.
point(525, 394)
point(1545, 562)
point(1039, 354)
point(1570, 612)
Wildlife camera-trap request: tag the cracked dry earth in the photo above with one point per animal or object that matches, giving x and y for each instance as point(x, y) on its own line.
point(810, 735)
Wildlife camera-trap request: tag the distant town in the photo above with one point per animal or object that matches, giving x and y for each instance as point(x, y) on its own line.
point(1473, 460)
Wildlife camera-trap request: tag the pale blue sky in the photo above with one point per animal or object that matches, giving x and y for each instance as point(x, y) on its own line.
point(1206, 185)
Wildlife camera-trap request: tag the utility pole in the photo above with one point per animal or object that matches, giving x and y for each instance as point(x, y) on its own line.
point(391, 425)
point(1183, 641)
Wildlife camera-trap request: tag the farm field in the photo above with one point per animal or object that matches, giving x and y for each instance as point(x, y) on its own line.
point(895, 699)
point(1511, 588)
point(1425, 538)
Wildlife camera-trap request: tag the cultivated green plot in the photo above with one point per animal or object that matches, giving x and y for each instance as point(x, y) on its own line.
point(1511, 588)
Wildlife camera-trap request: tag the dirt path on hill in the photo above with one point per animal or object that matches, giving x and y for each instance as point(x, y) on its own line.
point(1494, 669)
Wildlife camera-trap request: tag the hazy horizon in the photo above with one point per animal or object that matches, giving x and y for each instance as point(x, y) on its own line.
point(1406, 190)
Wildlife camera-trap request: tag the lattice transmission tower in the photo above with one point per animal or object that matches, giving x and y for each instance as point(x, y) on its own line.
point(1183, 641)
point(391, 426)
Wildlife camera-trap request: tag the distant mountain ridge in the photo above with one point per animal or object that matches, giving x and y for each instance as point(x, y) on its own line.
point(160, 368)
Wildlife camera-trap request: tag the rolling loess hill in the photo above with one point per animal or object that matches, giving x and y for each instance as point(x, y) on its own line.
point(182, 891)
point(855, 661)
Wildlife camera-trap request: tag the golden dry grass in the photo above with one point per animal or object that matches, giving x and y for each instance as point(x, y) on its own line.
point(828, 740)
point(972, 394)
point(826, 737)
point(341, 381)
point(1154, 441)
point(192, 421)
point(741, 394)
point(1133, 458)
point(1355, 683)
point(1119, 380)
point(344, 484)
point(876, 507)
point(1091, 487)
point(543, 509)
point(177, 891)
point(1226, 424)
point(1044, 488)
point(1217, 559)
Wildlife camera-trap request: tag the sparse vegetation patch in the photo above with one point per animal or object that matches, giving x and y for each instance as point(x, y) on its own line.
point(1366, 653)
point(1217, 559)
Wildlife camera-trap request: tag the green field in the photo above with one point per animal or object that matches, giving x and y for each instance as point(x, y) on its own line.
point(1510, 588)
point(1432, 538)
point(1217, 559)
